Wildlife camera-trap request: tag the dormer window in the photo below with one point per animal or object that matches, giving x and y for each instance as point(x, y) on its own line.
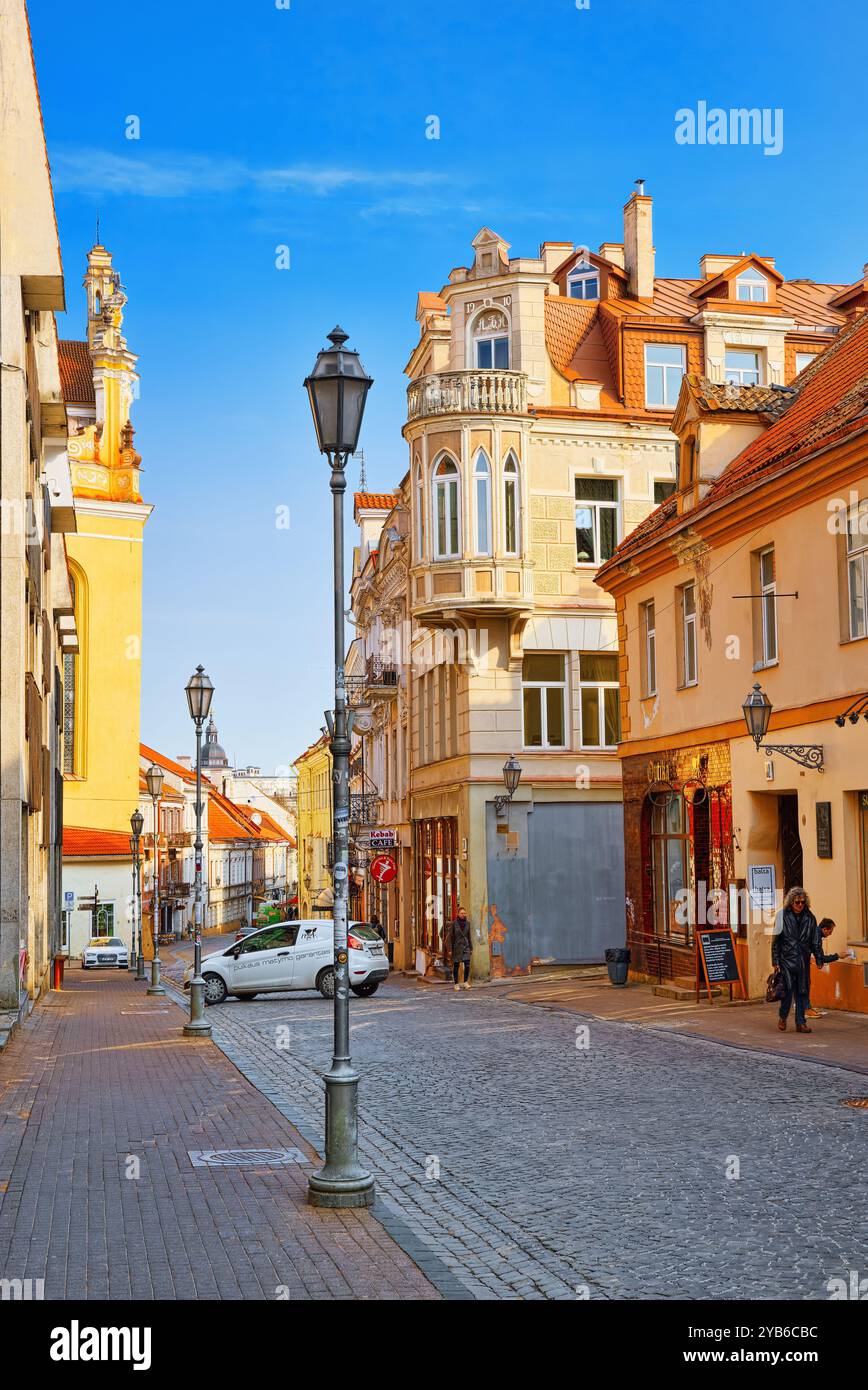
point(741, 368)
point(751, 287)
point(583, 282)
point(491, 341)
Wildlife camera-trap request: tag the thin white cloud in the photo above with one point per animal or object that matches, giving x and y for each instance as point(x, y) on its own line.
point(167, 175)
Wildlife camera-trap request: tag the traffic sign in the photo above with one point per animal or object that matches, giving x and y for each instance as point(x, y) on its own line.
point(383, 868)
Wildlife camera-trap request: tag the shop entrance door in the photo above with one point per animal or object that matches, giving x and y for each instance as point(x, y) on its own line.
point(791, 843)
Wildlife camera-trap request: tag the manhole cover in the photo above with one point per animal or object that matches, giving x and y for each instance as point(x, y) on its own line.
point(856, 1102)
point(245, 1158)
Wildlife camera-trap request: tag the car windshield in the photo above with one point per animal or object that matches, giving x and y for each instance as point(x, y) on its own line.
point(102, 941)
point(116, 941)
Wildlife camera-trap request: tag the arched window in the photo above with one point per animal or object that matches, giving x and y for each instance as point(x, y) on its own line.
point(511, 506)
point(491, 341)
point(583, 282)
point(482, 502)
point(446, 516)
point(751, 286)
point(420, 513)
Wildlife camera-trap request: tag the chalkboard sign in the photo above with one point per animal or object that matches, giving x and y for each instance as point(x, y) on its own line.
point(716, 949)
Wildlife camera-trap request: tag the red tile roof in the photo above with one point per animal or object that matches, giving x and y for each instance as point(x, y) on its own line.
point(81, 843)
point(168, 764)
point(76, 372)
point(374, 501)
point(829, 402)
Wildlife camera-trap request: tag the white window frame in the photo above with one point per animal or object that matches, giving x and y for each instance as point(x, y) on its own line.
point(498, 336)
point(743, 376)
point(420, 512)
point(596, 506)
point(806, 359)
point(857, 567)
point(649, 645)
point(768, 589)
point(670, 392)
point(752, 280)
point(600, 687)
point(450, 485)
point(688, 636)
point(581, 277)
point(544, 686)
point(482, 503)
point(511, 482)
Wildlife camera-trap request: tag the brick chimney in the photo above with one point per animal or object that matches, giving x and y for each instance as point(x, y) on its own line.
point(638, 244)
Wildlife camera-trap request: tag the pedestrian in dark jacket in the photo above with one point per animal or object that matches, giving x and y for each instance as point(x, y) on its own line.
point(825, 928)
point(796, 938)
point(458, 945)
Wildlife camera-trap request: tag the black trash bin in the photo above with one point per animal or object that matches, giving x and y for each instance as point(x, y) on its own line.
point(617, 964)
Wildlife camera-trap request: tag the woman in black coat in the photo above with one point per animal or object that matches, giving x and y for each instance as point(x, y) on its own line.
point(796, 938)
point(458, 945)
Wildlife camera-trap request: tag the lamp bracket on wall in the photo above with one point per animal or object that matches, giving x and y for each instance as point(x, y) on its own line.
point(808, 755)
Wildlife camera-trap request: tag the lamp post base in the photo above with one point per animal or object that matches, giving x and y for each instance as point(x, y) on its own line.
point(197, 1026)
point(140, 969)
point(155, 987)
point(342, 1181)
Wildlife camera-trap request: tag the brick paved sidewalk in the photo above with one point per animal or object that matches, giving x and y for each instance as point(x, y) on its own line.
point(101, 1074)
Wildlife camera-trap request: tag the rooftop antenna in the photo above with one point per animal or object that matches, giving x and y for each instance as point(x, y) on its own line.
point(360, 455)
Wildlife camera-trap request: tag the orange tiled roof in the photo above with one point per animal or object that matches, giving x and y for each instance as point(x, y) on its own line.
point(79, 842)
point(267, 826)
point(427, 300)
point(829, 402)
point(374, 501)
point(722, 395)
point(168, 764)
point(76, 372)
point(567, 323)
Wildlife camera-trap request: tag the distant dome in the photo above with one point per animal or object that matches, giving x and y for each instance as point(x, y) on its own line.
point(213, 755)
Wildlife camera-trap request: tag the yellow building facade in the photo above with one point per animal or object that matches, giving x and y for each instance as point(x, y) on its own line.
point(314, 769)
point(102, 680)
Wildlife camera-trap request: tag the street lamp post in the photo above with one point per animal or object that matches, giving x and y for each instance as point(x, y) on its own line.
point(154, 779)
point(337, 388)
point(137, 822)
point(199, 691)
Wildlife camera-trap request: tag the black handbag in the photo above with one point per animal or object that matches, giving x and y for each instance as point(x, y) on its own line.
point(775, 987)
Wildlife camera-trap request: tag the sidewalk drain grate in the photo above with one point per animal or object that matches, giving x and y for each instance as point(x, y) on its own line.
point(856, 1102)
point(245, 1158)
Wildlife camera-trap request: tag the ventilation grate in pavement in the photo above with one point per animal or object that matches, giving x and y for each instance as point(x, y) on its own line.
point(245, 1158)
point(856, 1102)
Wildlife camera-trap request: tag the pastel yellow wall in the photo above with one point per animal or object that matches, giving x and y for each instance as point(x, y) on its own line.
point(314, 769)
point(107, 553)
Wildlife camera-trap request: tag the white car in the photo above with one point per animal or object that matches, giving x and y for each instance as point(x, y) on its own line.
point(104, 950)
point(290, 956)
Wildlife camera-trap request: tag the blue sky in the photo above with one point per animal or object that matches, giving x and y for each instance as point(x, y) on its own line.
point(306, 127)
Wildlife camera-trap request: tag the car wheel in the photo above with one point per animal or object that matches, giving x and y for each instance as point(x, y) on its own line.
point(215, 989)
point(84, 967)
point(325, 982)
point(365, 991)
point(245, 996)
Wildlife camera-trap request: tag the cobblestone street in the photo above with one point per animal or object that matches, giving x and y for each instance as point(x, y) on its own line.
point(534, 1167)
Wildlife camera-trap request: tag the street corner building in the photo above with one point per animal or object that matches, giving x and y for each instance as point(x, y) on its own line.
point(743, 620)
point(37, 623)
point(544, 428)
